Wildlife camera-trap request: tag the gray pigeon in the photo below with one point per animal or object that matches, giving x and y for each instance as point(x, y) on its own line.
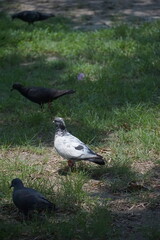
point(32, 16)
point(28, 199)
point(71, 148)
point(40, 95)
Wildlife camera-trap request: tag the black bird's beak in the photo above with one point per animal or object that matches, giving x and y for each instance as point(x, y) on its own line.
point(11, 186)
point(12, 89)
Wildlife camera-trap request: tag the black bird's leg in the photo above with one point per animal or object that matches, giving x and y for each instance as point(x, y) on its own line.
point(41, 106)
point(49, 105)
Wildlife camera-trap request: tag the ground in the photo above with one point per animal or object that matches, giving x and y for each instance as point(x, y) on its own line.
point(129, 213)
point(91, 14)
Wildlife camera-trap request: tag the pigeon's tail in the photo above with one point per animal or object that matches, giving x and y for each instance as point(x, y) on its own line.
point(43, 16)
point(99, 161)
point(48, 205)
point(63, 92)
point(51, 206)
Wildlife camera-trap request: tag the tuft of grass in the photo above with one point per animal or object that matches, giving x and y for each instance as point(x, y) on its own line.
point(71, 194)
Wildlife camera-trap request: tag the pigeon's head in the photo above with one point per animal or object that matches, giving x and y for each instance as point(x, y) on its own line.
point(16, 86)
point(59, 122)
point(16, 183)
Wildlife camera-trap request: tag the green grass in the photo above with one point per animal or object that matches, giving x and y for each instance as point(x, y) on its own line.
point(115, 110)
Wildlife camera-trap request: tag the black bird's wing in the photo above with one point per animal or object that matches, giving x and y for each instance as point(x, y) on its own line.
point(39, 95)
point(29, 199)
point(28, 16)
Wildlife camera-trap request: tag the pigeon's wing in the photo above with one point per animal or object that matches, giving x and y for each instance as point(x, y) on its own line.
point(24, 199)
point(28, 199)
point(71, 147)
point(31, 16)
point(39, 197)
point(39, 95)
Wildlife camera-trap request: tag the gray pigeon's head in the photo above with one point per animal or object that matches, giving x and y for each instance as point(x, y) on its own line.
point(16, 86)
point(59, 122)
point(17, 183)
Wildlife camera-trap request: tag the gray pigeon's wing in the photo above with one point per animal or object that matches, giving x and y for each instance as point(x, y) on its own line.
point(71, 147)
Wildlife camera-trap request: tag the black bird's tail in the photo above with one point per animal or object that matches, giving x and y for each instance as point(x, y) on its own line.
point(51, 206)
point(43, 16)
point(63, 92)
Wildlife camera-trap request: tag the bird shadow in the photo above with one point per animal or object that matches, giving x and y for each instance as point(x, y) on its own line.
point(8, 210)
point(93, 172)
point(64, 171)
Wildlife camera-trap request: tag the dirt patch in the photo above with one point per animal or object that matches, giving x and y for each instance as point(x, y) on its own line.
point(91, 14)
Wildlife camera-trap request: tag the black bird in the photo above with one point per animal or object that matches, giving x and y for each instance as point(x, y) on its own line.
point(28, 199)
point(32, 16)
point(71, 148)
point(40, 95)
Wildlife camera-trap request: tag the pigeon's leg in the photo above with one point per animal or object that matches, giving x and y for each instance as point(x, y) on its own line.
point(26, 215)
point(49, 105)
point(71, 164)
point(41, 106)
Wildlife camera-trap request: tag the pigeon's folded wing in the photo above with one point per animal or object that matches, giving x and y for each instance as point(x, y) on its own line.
point(72, 148)
point(38, 195)
point(24, 199)
point(38, 94)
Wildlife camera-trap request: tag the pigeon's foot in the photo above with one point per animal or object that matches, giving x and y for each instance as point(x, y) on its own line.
point(49, 105)
point(71, 165)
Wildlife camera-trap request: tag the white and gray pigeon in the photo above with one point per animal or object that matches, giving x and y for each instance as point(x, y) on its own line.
point(28, 199)
point(71, 148)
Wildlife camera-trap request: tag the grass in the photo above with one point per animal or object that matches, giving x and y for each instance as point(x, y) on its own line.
point(115, 111)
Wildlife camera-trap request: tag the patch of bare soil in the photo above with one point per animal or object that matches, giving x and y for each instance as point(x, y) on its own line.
point(90, 14)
